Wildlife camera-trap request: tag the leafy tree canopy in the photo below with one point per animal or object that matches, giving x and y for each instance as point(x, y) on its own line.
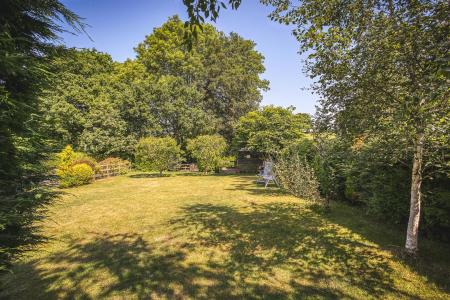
point(157, 154)
point(85, 104)
point(104, 107)
point(208, 151)
point(271, 129)
point(224, 70)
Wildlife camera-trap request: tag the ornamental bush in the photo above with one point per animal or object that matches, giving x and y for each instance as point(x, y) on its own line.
point(157, 154)
point(83, 158)
point(74, 168)
point(208, 151)
point(78, 174)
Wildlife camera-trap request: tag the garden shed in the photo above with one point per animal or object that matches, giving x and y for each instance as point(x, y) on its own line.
point(248, 161)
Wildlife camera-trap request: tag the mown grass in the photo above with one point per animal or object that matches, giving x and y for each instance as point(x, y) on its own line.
point(217, 237)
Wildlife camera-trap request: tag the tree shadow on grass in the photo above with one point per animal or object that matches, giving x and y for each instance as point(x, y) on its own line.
point(243, 250)
point(250, 185)
point(21, 215)
point(133, 268)
point(432, 261)
point(321, 256)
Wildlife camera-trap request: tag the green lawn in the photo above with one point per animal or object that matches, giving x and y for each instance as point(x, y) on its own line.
point(217, 237)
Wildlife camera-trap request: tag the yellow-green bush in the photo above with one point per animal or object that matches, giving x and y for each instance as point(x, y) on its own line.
point(65, 158)
point(83, 158)
point(75, 175)
point(74, 168)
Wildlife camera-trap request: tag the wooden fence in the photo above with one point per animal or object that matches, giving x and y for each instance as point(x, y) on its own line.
point(186, 168)
point(107, 170)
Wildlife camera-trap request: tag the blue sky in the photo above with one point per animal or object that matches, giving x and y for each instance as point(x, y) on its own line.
point(116, 27)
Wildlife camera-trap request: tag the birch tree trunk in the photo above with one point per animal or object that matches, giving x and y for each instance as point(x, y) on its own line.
point(414, 210)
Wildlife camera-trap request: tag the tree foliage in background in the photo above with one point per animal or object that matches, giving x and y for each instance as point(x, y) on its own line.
point(223, 70)
point(157, 154)
point(28, 32)
point(382, 69)
point(85, 105)
point(208, 151)
point(179, 111)
point(103, 107)
point(379, 70)
point(271, 129)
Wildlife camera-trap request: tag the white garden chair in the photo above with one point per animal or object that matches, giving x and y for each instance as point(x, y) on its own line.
point(267, 174)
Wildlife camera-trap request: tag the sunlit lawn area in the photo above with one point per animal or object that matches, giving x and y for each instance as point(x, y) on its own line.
point(217, 237)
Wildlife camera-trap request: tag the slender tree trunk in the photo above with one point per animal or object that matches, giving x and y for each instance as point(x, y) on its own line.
point(414, 210)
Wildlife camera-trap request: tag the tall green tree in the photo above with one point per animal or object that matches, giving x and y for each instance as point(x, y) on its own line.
point(135, 106)
point(271, 129)
point(28, 30)
point(224, 70)
point(28, 35)
point(105, 132)
point(93, 106)
point(178, 110)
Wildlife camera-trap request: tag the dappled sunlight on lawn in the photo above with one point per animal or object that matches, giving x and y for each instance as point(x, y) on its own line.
point(223, 238)
point(271, 236)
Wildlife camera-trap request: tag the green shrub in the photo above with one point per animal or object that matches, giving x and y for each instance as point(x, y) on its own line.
point(296, 176)
point(329, 164)
point(82, 158)
point(74, 168)
point(436, 209)
point(157, 154)
point(372, 173)
point(208, 151)
point(303, 147)
point(386, 193)
point(76, 175)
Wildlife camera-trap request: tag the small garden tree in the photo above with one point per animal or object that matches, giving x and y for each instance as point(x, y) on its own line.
point(156, 153)
point(208, 151)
